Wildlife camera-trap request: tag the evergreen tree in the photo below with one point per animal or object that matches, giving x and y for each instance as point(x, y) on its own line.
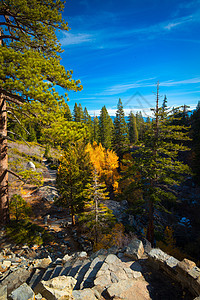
point(132, 128)
point(78, 113)
point(88, 121)
point(32, 136)
point(96, 216)
point(30, 66)
point(76, 116)
point(140, 125)
point(95, 132)
point(157, 162)
point(67, 113)
point(120, 136)
point(73, 176)
point(105, 128)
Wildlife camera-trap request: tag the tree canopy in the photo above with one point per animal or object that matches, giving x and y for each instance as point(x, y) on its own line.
point(30, 65)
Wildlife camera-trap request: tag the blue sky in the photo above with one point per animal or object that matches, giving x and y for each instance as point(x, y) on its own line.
point(120, 49)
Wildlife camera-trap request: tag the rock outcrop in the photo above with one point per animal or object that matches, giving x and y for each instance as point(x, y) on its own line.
point(107, 274)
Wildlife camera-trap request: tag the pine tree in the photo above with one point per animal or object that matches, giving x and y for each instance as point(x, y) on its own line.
point(140, 125)
point(76, 117)
point(105, 128)
point(30, 66)
point(95, 131)
point(132, 128)
point(96, 210)
point(157, 162)
point(88, 122)
point(78, 113)
point(73, 176)
point(120, 138)
point(67, 113)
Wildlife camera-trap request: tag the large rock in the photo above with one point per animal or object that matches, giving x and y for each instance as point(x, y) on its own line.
point(24, 292)
point(129, 290)
point(66, 258)
point(114, 270)
point(3, 293)
point(85, 294)
point(42, 263)
point(158, 258)
point(185, 265)
point(15, 279)
point(57, 288)
point(135, 249)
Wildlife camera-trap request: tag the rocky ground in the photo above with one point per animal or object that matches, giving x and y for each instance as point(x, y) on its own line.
point(129, 273)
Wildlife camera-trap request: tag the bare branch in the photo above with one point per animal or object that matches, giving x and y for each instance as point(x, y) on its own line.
point(19, 136)
point(19, 122)
point(16, 175)
point(4, 137)
point(22, 112)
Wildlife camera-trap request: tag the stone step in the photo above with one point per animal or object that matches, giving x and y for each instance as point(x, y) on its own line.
point(75, 268)
point(56, 272)
point(47, 273)
point(81, 273)
point(88, 280)
point(35, 278)
point(67, 267)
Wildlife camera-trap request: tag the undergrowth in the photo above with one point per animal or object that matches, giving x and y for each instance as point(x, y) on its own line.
point(26, 232)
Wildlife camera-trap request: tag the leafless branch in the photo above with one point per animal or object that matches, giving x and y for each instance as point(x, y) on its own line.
point(4, 137)
point(19, 136)
point(22, 112)
point(19, 122)
point(16, 175)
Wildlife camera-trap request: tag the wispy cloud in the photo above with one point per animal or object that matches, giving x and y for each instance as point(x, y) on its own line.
point(75, 39)
point(181, 82)
point(121, 88)
point(178, 22)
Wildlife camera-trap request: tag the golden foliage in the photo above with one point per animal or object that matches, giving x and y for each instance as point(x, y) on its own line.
point(115, 237)
point(105, 162)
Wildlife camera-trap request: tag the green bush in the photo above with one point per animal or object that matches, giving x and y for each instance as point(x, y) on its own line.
point(19, 208)
point(32, 177)
point(25, 232)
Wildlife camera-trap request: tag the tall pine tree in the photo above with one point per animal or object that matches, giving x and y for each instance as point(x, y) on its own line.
point(105, 128)
point(132, 128)
point(95, 131)
point(157, 162)
point(120, 136)
point(30, 66)
point(73, 176)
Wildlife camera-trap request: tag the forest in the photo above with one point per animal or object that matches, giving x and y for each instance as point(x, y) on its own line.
point(151, 163)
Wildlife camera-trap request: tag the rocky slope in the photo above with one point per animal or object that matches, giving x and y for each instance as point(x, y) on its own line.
point(129, 273)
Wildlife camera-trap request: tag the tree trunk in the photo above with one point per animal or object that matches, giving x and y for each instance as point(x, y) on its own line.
point(4, 214)
point(73, 216)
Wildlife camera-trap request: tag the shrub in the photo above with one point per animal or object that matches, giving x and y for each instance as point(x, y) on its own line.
point(19, 208)
point(25, 232)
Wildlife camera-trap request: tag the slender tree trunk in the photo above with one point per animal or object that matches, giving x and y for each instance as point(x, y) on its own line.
point(4, 214)
point(73, 216)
